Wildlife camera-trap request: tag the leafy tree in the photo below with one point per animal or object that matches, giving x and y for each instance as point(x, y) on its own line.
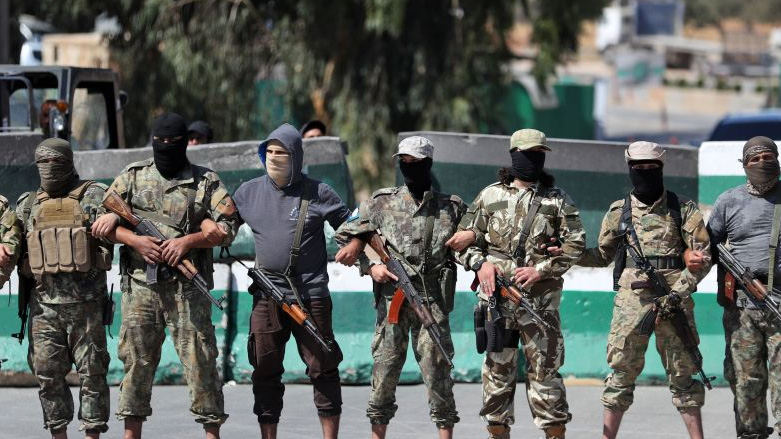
point(369, 68)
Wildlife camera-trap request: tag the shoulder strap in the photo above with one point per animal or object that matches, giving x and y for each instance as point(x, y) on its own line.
point(428, 233)
point(624, 225)
point(674, 206)
point(520, 252)
point(78, 192)
point(295, 250)
point(771, 269)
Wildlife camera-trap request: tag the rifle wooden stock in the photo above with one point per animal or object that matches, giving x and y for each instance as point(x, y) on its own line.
point(295, 312)
point(512, 294)
point(375, 242)
point(756, 289)
point(116, 204)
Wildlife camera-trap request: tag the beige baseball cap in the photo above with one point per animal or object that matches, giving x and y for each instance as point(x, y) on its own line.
point(528, 138)
point(416, 146)
point(643, 150)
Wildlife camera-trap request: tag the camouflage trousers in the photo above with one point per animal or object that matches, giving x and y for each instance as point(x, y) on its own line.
point(389, 350)
point(626, 353)
point(544, 351)
point(61, 335)
point(146, 312)
point(753, 342)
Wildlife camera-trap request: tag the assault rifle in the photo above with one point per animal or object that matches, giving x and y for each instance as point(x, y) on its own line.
point(268, 289)
point(404, 284)
point(515, 294)
point(26, 286)
point(144, 227)
point(679, 321)
point(748, 281)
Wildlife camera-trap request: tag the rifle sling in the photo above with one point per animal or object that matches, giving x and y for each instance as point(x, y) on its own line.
point(295, 249)
point(520, 252)
point(771, 269)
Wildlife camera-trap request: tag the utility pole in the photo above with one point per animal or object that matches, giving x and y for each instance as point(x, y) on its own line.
point(5, 34)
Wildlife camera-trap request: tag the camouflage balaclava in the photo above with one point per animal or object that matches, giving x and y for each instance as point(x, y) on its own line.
point(761, 177)
point(54, 159)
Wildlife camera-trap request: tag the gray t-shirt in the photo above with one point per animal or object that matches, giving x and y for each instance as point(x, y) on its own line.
point(746, 221)
point(272, 214)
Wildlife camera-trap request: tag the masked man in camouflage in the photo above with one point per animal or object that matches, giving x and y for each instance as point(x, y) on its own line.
point(177, 197)
point(66, 307)
point(744, 216)
point(497, 216)
point(416, 223)
point(665, 226)
point(10, 239)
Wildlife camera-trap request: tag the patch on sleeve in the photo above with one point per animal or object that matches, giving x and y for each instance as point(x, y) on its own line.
point(355, 215)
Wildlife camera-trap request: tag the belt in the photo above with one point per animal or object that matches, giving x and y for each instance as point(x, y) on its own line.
point(660, 262)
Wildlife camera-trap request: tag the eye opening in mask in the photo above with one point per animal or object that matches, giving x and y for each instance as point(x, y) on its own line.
point(406, 158)
point(54, 160)
point(645, 164)
point(167, 140)
point(766, 156)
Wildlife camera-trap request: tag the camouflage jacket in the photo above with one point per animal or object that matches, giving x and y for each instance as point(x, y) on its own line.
point(496, 216)
point(10, 236)
point(67, 287)
point(177, 207)
point(658, 236)
point(402, 222)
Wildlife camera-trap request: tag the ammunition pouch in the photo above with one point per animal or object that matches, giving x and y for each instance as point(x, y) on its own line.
point(447, 286)
point(59, 241)
point(481, 339)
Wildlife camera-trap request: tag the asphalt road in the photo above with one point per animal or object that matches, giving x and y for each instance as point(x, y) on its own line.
point(652, 416)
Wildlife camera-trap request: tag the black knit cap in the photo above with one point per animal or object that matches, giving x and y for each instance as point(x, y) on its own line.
point(169, 125)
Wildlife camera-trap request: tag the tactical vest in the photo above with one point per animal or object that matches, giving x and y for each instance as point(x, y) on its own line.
point(59, 241)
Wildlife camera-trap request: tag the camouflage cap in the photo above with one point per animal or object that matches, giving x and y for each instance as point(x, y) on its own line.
point(528, 138)
point(643, 150)
point(416, 146)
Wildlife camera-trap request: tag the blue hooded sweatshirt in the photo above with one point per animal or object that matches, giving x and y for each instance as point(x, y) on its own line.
point(272, 214)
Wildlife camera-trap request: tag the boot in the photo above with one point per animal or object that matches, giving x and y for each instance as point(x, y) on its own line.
point(498, 431)
point(555, 432)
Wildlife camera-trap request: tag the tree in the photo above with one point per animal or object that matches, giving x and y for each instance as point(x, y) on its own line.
point(369, 68)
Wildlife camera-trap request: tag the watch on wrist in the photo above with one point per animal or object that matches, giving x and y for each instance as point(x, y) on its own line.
point(477, 265)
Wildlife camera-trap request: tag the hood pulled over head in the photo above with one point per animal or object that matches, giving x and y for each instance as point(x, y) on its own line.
point(283, 172)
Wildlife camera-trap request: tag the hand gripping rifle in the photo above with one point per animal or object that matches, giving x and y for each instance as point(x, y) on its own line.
point(748, 281)
point(508, 290)
point(679, 321)
point(144, 227)
point(404, 284)
point(268, 289)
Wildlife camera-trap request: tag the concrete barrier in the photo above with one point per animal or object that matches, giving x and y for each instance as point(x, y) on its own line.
point(719, 170)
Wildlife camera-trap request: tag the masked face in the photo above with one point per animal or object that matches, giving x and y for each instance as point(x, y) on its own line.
point(169, 144)
point(527, 164)
point(54, 159)
point(647, 181)
point(278, 163)
point(417, 174)
point(762, 172)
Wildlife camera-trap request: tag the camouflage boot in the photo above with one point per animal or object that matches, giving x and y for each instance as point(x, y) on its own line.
point(555, 432)
point(498, 431)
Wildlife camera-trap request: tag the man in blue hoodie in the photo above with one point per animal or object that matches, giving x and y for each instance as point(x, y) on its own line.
point(272, 205)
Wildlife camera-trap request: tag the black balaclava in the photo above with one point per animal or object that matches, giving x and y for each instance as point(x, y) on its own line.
point(417, 176)
point(648, 183)
point(527, 165)
point(170, 158)
point(763, 176)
